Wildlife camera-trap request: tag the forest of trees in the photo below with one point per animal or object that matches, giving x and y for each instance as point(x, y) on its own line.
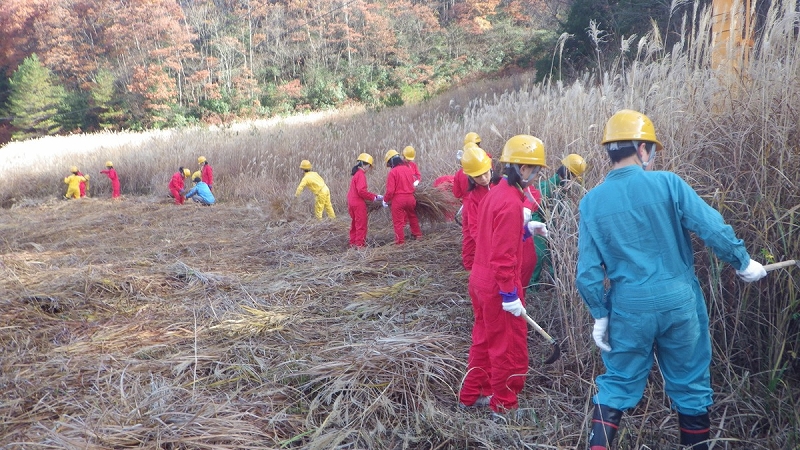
point(84, 65)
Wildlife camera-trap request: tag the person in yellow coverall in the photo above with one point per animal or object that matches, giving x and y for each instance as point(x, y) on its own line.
point(317, 186)
point(73, 182)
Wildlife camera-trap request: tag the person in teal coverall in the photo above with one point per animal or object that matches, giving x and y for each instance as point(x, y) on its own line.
point(634, 233)
point(572, 166)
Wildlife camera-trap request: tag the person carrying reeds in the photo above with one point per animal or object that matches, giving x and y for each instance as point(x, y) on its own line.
point(634, 236)
point(498, 356)
point(408, 157)
point(200, 193)
point(112, 175)
point(206, 172)
point(317, 186)
point(176, 184)
point(572, 166)
point(357, 196)
point(73, 182)
point(400, 197)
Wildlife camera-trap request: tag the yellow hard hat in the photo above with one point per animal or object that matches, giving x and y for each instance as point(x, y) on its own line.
point(409, 153)
point(475, 161)
point(186, 173)
point(629, 125)
point(109, 164)
point(472, 137)
point(201, 160)
point(73, 169)
point(524, 149)
point(197, 175)
point(575, 164)
point(389, 155)
point(365, 157)
point(305, 164)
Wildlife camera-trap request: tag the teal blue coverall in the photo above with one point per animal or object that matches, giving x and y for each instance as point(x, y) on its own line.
point(634, 230)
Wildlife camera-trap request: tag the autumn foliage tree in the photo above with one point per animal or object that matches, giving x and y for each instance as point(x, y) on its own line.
point(156, 63)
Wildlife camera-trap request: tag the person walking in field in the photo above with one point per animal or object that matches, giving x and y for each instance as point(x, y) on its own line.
point(73, 182)
point(467, 228)
point(176, 184)
point(112, 175)
point(200, 193)
point(206, 171)
point(400, 197)
point(636, 275)
point(498, 356)
point(572, 167)
point(317, 186)
point(357, 196)
point(408, 157)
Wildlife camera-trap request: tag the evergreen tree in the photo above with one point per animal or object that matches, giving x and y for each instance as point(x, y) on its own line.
point(110, 114)
point(33, 100)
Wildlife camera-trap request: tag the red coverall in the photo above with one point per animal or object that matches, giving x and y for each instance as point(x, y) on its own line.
point(498, 357)
point(207, 175)
point(528, 248)
point(472, 200)
point(112, 175)
point(357, 197)
point(400, 196)
point(176, 186)
point(82, 185)
point(414, 170)
point(460, 184)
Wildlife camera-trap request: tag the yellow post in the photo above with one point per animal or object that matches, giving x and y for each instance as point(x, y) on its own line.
point(731, 34)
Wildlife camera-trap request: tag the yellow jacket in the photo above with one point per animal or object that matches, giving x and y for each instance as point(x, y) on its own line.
point(314, 182)
point(74, 181)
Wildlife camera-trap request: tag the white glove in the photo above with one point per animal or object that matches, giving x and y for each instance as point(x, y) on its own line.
point(526, 215)
point(378, 198)
point(385, 205)
point(416, 183)
point(514, 307)
point(538, 228)
point(600, 334)
point(753, 272)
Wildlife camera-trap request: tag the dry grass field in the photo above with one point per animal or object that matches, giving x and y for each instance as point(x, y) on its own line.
point(248, 325)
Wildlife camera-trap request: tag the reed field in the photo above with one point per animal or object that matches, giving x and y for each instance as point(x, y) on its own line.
point(250, 325)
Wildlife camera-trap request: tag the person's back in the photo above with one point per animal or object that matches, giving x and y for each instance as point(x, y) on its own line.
point(640, 223)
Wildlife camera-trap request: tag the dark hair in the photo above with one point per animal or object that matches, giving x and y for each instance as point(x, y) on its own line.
point(358, 165)
point(512, 176)
point(618, 151)
point(395, 161)
point(180, 169)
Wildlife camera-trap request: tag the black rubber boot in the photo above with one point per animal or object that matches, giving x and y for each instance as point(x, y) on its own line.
point(695, 431)
point(605, 422)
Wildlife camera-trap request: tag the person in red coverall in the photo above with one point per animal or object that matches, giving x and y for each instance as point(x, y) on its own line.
point(408, 157)
point(467, 241)
point(477, 166)
point(400, 196)
point(357, 196)
point(84, 184)
point(459, 179)
point(498, 356)
point(112, 175)
point(206, 172)
point(176, 184)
